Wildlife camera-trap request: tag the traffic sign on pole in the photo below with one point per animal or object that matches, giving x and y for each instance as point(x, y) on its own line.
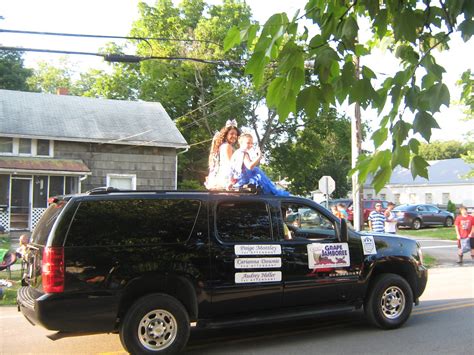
point(327, 185)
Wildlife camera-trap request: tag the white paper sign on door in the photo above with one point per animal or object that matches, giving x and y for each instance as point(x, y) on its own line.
point(329, 255)
point(258, 276)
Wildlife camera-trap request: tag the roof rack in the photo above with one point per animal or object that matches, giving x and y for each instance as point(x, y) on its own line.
point(107, 190)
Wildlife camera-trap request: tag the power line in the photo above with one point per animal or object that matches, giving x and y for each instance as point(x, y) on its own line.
point(127, 58)
point(61, 34)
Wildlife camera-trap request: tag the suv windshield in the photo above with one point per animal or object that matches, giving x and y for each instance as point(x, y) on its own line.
point(46, 222)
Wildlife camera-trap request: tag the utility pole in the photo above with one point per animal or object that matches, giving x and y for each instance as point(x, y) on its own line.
point(356, 142)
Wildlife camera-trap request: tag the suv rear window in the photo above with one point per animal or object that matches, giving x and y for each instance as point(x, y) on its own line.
point(46, 222)
point(132, 222)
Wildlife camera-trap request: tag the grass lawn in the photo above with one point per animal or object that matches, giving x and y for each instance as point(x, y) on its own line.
point(435, 232)
point(429, 261)
point(9, 293)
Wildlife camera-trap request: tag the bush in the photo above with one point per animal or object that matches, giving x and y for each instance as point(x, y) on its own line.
point(190, 185)
point(451, 207)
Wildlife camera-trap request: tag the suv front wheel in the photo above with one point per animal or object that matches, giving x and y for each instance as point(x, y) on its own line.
point(155, 324)
point(389, 302)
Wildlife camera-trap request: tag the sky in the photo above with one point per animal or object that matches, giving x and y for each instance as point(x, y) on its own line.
point(114, 17)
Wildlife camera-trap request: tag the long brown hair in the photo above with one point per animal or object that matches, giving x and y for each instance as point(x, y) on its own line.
point(217, 142)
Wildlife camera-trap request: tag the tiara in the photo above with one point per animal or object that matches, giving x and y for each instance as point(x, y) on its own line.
point(231, 123)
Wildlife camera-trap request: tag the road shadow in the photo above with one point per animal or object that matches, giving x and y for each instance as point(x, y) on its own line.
point(291, 334)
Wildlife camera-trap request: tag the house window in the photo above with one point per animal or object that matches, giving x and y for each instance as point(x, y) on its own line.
point(383, 196)
point(396, 198)
point(412, 198)
point(72, 185)
point(122, 181)
point(428, 197)
point(445, 198)
point(24, 146)
point(6, 145)
point(40, 191)
point(42, 147)
point(56, 185)
point(4, 192)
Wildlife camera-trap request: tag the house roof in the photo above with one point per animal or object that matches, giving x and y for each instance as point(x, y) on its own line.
point(448, 171)
point(26, 164)
point(75, 118)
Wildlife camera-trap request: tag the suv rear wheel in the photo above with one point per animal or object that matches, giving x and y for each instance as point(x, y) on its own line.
point(389, 302)
point(155, 324)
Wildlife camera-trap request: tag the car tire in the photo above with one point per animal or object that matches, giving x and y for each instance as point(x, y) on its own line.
point(155, 324)
point(389, 302)
point(448, 222)
point(416, 224)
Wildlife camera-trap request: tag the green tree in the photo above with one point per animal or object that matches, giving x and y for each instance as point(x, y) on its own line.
point(411, 31)
point(439, 150)
point(48, 78)
point(467, 98)
point(13, 74)
point(199, 97)
point(320, 146)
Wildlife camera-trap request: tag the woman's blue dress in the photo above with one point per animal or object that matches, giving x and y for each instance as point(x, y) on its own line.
point(255, 176)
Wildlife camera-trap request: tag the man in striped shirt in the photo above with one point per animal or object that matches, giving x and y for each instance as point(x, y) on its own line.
point(377, 219)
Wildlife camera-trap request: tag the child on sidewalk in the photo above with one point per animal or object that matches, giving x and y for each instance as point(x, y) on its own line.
point(465, 233)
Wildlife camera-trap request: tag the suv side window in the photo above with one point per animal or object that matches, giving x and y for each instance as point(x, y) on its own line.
point(137, 221)
point(301, 221)
point(243, 221)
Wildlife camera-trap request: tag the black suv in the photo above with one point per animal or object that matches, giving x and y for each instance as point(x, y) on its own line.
point(152, 264)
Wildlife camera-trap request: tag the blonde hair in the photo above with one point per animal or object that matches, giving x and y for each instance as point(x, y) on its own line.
point(243, 136)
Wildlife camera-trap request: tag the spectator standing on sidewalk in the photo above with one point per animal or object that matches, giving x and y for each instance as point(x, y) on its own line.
point(377, 219)
point(465, 233)
point(390, 219)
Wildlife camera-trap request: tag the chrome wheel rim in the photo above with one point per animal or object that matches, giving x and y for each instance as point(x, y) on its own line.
point(416, 224)
point(393, 302)
point(157, 330)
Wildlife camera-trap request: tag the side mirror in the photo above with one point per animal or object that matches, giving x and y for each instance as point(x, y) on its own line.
point(341, 231)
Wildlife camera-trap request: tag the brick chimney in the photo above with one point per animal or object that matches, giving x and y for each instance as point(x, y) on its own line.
point(62, 91)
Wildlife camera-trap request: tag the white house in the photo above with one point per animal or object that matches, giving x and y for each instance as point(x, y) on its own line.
point(447, 181)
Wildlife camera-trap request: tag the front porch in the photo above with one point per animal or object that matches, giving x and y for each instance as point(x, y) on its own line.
point(27, 183)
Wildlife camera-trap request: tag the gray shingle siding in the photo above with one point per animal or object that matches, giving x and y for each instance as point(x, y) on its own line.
point(154, 167)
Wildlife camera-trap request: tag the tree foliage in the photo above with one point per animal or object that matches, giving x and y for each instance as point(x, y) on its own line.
point(318, 70)
point(439, 150)
point(48, 78)
point(199, 97)
point(320, 146)
point(467, 98)
point(13, 74)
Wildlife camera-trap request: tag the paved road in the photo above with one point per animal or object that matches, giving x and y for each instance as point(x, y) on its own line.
point(446, 307)
point(444, 251)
